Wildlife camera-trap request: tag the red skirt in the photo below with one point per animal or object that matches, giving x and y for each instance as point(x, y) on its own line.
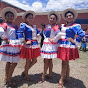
point(67, 53)
point(29, 53)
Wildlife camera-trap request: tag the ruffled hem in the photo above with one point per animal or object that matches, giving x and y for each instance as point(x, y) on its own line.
point(67, 53)
point(10, 59)
point(10, 45)
point(10, 51)
point(48, 55)
point(10, 54)
point(29, 53)
point(49, 48)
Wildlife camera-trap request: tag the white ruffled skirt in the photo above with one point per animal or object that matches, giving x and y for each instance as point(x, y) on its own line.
point(49, 50)
point(10, 52)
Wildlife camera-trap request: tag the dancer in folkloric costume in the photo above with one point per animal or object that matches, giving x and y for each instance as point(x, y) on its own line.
point(28, 33)
point(49, 49)
point(10, 47)
point(69, 37)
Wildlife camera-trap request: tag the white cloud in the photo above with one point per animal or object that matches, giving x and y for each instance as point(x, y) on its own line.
point(37, 6)
point(50, 5)
point(24, 2)
point(18, 4)
point(63, 4)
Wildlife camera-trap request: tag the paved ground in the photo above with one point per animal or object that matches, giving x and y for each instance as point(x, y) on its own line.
point(78, 74)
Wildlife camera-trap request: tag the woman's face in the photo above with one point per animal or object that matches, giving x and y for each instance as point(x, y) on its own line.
point(69, 17)
point(52, 20)
point(29, 19)
point(9, 17)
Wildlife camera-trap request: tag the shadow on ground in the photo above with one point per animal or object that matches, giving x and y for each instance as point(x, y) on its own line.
point(74, 83)
point(35, 79)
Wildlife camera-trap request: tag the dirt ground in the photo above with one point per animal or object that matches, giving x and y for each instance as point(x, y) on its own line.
point(78, 74)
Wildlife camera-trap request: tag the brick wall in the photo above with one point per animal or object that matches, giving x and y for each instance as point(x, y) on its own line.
point(39, 19)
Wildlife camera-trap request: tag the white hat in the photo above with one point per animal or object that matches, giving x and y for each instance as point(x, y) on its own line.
point(27, 12)
point(4, 10)
point(71, 10)
point(56, 13)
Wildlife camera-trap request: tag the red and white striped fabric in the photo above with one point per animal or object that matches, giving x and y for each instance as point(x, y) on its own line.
point(9, 52)
point(30, 51)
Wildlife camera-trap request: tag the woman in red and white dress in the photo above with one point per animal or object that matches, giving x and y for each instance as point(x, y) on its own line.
point(10, 47)
point(49, 49)
point(70, 36)
point(28, 34)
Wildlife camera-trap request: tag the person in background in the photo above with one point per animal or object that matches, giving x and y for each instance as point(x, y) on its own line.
point(83, 42)
point(1, 21)
point(42, 36)
point(86, 35)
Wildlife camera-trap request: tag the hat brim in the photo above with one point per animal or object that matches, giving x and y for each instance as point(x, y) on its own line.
point(72, 10)
point(27, 12)
point(4, 10)
point(57, 14)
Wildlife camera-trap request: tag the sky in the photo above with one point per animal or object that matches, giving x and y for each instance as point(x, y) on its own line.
point(49, 5)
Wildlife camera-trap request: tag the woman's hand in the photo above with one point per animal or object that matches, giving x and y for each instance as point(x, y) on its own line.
point(50, 39)
point(71, 40)
point(28, 42)
point(7, 41)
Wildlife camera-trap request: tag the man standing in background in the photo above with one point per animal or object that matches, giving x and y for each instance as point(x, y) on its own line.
point(1, 21)
point(42, 37)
